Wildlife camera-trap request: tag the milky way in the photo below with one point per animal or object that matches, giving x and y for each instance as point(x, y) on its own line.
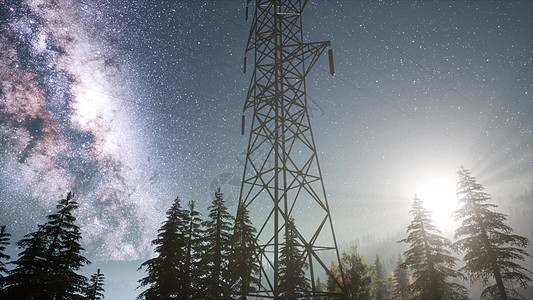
point(131, 103)
point(61, 130)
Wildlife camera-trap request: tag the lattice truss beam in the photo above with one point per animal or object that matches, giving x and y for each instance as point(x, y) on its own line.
point(282, 176)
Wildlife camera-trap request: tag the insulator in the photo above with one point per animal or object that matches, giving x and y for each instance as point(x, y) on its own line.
point(242, 125)
point(245, 60)
point(331, 65)
point(246, 12)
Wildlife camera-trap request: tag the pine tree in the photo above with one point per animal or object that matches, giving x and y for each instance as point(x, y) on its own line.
point(491, 248)
point(192, 264)
point(292, 279)
point(243, 266)
point(430, 260)
point(217, 241)
point(47, 267)
point(95, 290)
point(4, 242)
point(64, 257)
point(320, 287)
point(165, 271)
point(27, 277)
point(401, 280)
point(380, 281)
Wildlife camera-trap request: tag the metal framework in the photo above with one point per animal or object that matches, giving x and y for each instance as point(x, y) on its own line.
point(282, 177)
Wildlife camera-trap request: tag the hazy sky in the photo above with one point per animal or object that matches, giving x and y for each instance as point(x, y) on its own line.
point(132, 103)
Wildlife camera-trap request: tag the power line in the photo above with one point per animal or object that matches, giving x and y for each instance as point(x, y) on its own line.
point(361, 89)
point(396, 108)
point(216, 13)
point(397, 49)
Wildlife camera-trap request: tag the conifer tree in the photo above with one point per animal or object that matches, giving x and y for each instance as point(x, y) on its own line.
point(27, 277)
point(4, 242)
point(95, 290)
point(292, 279)
point(193, 242)
point(401, 280)
point(380, 281)
point(491, 248)
point(243, 266)
point(319, 288)
point(430, 260)
point(47, 267)
point(165, 271)
point(217, 239)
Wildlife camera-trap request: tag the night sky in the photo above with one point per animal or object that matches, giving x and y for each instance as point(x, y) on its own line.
point(130, 104)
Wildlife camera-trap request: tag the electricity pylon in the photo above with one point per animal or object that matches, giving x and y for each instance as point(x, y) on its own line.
point(282, 177)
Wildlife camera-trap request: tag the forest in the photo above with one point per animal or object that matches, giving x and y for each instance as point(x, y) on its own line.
point(215, 257)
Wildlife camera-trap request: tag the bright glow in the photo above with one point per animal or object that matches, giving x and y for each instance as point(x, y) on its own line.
point(438, 196)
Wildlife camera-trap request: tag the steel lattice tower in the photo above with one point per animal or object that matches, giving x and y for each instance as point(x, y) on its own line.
point(282, 176)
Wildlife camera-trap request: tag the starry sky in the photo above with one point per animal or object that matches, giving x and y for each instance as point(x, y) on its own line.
point(131, 103)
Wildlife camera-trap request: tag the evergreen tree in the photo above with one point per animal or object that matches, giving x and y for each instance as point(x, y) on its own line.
point(95, 290)
point(243, 266)
point(401, 289)
point(357, 275)
point(47, 267)
point(292, 280)
point(4, 242)
point(380, 281)
point(217, 241)
point(491, 248)
point(27, 277)
point(320, 287)
point(192, 265)
point(165, 271)
point(430, 259)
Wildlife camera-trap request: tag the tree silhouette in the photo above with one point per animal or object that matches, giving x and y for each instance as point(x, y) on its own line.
point(357, 275)
point(401, 280)
point(292, 279)
point(192, 264)
point(47, 267)
point(95, 290)
point(165, 271)
point(243, 266)
point(491, 248)
point(430, 260)
point(4, 242)
point(380, 281)
point(26, 278)
point(217, 249)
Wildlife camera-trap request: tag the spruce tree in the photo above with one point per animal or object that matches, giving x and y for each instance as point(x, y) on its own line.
point(430, 260)
point(491, 248)
point(26, 279)
point(401, 280)
point(48, 266)
point(95, 289)
point(192, 265)
point(380, 281)
point(292, 280)
point(217, 249)
point(64, 256)
point(4, 242)
point(243, 266)
point(165, 271)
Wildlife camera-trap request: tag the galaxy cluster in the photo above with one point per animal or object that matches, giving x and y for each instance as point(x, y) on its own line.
point(62, 130)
